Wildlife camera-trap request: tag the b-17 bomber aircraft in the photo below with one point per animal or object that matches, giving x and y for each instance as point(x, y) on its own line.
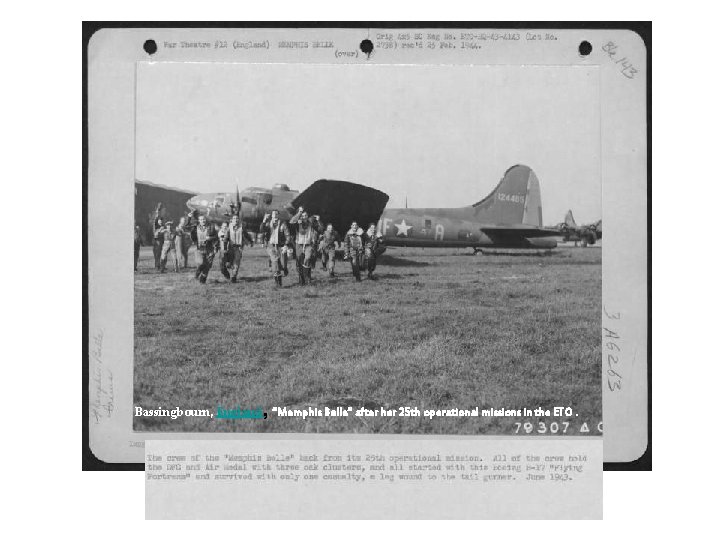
point(335, 201)
point(510, 217)
point(587, 234)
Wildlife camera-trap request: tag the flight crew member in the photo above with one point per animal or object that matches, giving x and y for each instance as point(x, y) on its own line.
point(319, 228)
point(224, 249)
point(207, 244)
point(158, 228)
point(306, 237)
point(168, 247)
point(158, 223)
point(354, 248)
point(182, 241)
point(373, 239)
point(192, 223)
point(286, 253)
point(328, 244)
point(237, 236)
point(138, 243)
point(277, 236)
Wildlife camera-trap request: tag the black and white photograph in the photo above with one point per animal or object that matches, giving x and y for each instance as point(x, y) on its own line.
point(367, 236)
point(397, 270)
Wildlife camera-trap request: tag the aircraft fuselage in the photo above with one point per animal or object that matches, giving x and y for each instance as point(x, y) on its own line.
point(446, 227)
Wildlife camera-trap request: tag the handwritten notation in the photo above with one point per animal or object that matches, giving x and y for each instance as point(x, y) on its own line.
point(627, 68)
point(612, 350)
point(103, 402)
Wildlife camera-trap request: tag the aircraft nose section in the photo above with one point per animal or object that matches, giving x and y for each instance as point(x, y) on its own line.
point(198, 202)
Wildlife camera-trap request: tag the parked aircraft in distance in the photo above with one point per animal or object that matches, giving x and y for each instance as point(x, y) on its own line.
point(510, 217)
point(571, 232)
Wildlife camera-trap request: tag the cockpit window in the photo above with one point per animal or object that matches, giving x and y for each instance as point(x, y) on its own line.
point(267, 199)
point(249, 200)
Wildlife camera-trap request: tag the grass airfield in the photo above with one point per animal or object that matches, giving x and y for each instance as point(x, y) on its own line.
point(439, 329)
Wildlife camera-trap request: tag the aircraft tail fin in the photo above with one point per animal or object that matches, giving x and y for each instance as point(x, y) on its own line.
point(570, 220)
point(515, 200)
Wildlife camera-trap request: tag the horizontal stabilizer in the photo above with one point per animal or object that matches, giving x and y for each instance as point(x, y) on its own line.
point(520, 231)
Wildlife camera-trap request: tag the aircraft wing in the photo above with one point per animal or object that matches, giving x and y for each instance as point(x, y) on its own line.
point(519, 231)
point(340, 203)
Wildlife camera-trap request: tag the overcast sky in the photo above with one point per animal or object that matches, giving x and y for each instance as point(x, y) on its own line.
point(440, 135)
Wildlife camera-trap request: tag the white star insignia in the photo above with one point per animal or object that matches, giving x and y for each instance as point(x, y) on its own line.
point(402, 228)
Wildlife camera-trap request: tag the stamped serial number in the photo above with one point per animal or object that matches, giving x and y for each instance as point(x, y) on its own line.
point(558, 428)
